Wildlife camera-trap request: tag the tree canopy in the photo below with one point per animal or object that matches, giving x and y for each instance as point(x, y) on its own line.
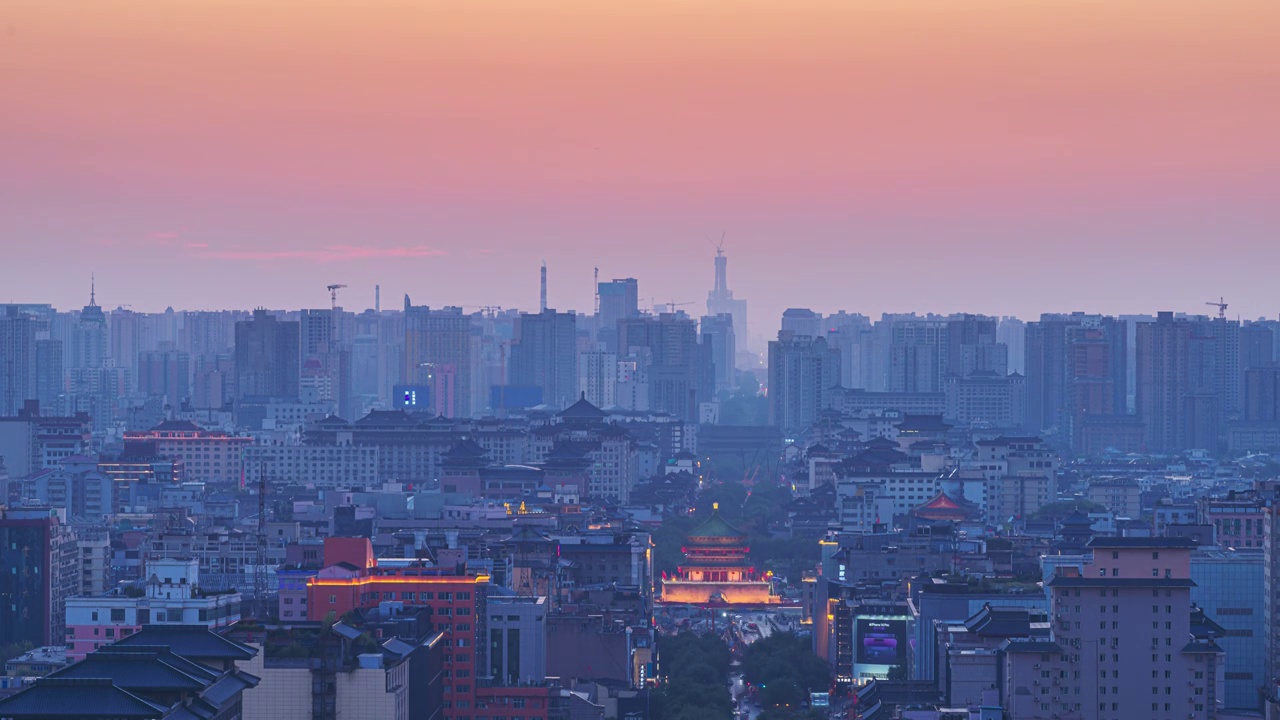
point(785, 668)
point(696, 672)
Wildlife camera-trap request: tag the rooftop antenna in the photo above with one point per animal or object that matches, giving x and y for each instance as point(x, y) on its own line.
point(543, 307)
point(93, 289)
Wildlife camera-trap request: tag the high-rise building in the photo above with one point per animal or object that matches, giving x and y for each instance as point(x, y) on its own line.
point(803, 371)
point(17, 360)
point(1076, 368)
point(1262, 394)
point(544, 355)
point(598, 378)
point(918, 354)
point(802, 322)
point(267, 360)
point(89, 337)
point(1012, 332)
point(50, 378)
point(165, 373)
point(718, 333)
point(850, 334)
point(720, 300)
point(317, 331)
point(1182, 382)
point(972, 346)
point(438, 354)
point(41, 556)
point(619, 299)
point(669, 343)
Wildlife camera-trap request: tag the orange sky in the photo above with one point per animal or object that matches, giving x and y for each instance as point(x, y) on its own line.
point(461, 141)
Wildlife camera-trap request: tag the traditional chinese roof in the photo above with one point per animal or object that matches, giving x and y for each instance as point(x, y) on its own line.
point(78, 697)
point(583, 410)
point(190, 641)
point(942, 507)
point(715, 531)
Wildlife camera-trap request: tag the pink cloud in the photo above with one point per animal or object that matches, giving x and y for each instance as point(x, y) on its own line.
point(328, 254)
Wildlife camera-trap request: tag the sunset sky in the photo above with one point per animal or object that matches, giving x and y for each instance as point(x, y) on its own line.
point(1013, 156)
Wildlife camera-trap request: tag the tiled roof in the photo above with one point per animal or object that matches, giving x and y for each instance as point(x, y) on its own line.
point(715, 528)
point(196, 642)
point(86, 698)
point(137, 672)
point(583, 409)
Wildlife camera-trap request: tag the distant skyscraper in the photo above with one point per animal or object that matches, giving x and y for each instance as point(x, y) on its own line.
point(165, 373)
point(669, 343)
point(802, 322)
point(803, 371)
point(438, 354)
point(720, 301)
point(618, 299)
point(267, 359)
point(50, 378)
point(17, 360)
point(544, 353)
point(1177, 393)
point(1076, 367)
point(1013, 333)
point(718, 333)
point(89, 337)
point(1262, 394)
point(317, 331)
point(598, 377)
point(918, 354)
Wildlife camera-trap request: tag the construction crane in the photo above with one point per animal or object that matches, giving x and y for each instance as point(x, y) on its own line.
point(670, 306)
point(1222, 307)
point(333, 295)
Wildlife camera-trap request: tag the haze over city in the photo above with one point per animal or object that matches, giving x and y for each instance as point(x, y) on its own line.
point(622, 360)
point(1006, 158)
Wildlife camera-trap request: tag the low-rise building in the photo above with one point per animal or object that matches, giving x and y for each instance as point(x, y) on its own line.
point(170, 594)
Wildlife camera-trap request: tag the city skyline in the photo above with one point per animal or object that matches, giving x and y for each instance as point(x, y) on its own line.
point(871, 157)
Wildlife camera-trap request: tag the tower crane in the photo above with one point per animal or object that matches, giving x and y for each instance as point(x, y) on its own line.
point(1222, 307)
point(671, 306)
point(333, 294)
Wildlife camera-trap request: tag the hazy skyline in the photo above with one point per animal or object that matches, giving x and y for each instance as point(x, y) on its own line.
point(996, 157)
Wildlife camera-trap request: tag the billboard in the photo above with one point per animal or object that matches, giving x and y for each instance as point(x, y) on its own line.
point(411, 397)
point(880, 641)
